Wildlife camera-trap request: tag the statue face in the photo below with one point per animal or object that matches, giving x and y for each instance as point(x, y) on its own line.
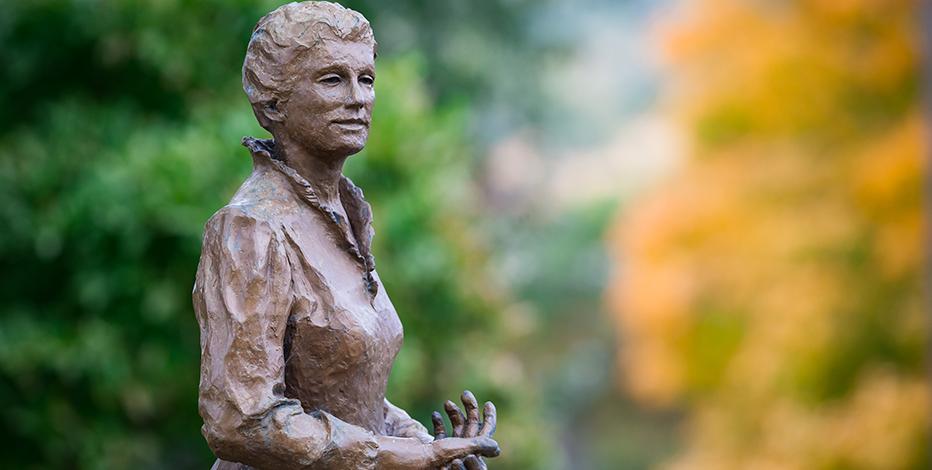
point(329, 111)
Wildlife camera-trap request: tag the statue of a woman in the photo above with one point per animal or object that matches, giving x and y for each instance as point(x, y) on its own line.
point(297, 334)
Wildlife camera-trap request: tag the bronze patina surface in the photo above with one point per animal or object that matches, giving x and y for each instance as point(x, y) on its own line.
point(298, 336)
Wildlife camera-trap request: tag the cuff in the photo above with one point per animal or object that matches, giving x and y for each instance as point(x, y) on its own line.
point(350, 446)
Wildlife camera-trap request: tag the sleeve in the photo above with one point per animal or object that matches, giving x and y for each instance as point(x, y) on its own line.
point(242, 298)
point(399, 424)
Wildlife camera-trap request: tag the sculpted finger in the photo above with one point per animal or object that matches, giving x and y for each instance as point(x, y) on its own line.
point(457, 465)
point(489, 420)
point(474, 463)
point(459, 448)
point(457, 419)
point(440, 430)
point(472, 414)
point(486, 447)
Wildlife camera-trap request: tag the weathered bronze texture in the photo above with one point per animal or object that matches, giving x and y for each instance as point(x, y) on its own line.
point(297, 334)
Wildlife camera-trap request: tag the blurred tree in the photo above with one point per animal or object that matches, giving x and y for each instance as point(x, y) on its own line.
point(773, 286)
point(119, 136)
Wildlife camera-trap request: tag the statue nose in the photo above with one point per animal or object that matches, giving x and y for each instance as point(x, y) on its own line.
point(356, 96)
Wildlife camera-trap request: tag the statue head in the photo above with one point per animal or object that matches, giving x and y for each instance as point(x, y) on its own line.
point(309, 74)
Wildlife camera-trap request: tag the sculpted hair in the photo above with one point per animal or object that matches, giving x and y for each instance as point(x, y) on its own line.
point(282, 38)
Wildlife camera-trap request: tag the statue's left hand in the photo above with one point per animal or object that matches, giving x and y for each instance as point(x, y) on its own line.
point(467, 425)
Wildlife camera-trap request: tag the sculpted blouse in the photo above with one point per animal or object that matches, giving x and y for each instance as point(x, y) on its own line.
point(297, 336)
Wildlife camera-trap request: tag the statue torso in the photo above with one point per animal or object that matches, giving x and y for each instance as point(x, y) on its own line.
point(343, 333)
point(341, 342)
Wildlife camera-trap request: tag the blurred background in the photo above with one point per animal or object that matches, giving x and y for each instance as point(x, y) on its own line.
point(657, 233)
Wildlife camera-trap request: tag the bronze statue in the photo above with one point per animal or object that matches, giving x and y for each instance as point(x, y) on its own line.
point(297, 334)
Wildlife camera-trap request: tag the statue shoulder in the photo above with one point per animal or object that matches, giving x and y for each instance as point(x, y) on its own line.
point(265, 196)
point(239, 220)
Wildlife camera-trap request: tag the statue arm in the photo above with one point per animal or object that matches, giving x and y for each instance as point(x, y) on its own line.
point(399, 424)
point(242, 299)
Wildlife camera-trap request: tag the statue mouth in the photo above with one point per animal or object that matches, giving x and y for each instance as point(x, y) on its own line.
point(351, 123)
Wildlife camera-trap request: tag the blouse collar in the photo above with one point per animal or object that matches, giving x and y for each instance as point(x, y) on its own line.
point(355, 234)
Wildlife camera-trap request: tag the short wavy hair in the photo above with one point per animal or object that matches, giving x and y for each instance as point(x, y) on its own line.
point(282, 38)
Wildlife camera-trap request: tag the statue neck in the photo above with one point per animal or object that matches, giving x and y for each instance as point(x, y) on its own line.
point(323, 172)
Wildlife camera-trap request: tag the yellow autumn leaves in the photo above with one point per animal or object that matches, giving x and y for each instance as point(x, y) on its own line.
point(772, 287)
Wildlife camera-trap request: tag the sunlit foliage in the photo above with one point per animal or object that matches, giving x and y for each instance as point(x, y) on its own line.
point(772, 287)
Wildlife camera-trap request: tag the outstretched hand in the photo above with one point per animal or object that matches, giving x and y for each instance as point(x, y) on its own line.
point(466, 425)
point(405, 453)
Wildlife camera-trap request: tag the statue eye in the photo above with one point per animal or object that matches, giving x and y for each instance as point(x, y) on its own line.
point(367, 80)
point(330, 79)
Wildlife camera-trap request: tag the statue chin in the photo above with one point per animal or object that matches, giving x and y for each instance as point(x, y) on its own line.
point(352, 147)
point(335, 146)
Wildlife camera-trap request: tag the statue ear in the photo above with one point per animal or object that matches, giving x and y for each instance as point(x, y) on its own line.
point(272, 112)
point(268, 114)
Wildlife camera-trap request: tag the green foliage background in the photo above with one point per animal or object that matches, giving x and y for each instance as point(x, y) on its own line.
point(120, 136)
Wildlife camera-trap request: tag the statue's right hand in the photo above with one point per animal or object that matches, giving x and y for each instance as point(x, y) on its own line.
point(467, 425)
point(453, 448)
point(397, 453)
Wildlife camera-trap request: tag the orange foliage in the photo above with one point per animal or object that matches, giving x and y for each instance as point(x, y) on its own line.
point(773, 286)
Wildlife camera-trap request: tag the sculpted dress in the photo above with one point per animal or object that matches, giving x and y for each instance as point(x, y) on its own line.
point(297, 335)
